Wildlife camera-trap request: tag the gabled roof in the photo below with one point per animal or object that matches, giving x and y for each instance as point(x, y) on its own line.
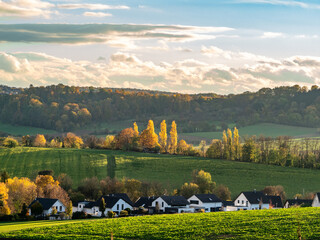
point(175, 200)
point(144, 202)
point(293, 202)
point(275, 201)
point(90, 204)
point(123, 196)
point(318, 194)
point(45, 202)
point(253, 197)
point(208, 198)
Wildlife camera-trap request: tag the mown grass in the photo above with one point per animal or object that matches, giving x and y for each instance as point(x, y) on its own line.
point(260, 224)
point(171, 170)
point(23, 130)
point(266, 129)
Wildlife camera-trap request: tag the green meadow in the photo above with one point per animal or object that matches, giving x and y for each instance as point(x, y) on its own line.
point(23, 130)
point(171, 170)
point(261, 224)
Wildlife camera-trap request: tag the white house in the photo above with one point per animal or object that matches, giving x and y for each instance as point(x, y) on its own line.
point(316, 200)
point(208, 202)
point(257, 200)
point(114, 202)
point(297, 202)
point(172, 204)
point(48, 205)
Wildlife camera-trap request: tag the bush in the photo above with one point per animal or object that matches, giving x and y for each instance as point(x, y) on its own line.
point(10, 142)
point(111, 214)
point(79, 215)
point(128, 210)
point(123, 213)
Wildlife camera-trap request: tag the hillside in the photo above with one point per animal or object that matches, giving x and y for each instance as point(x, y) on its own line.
point(171, 170)
point(263, 224)
point(64, 108)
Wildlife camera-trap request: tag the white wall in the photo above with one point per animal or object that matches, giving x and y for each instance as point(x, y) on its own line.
point(162, 204)
point(206, 206)
point(242, 203)
point(315, 202)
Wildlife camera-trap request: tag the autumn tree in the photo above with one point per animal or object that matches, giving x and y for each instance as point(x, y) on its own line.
point(148, 138)
point(152, 189)
point(204, 181)
point(173, 142)
point(111, 185)
point(182, 147)
point(102, 207)
point(10, 142)
point(65, 181)
point(225, 145)
point(40, 141)
point(202, 147)
point(4, 176)
point(163, 136)
point(132, 187)
point(72, 141)
point(236, 143)
point(69, 209)
point(21, 190)
point(135, 139)
point(55, 143)
point(90, 187)
point(275, 191)
point(222, 192)
point(135, 129)
point(124, 139)
point(109, 143)
point(215, 150)
point(189, 189)
point(230, 145)
point(4, 208)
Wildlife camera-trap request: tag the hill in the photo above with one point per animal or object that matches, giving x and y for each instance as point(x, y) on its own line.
point(64, 108)
point(262, 224)
point(171, 170)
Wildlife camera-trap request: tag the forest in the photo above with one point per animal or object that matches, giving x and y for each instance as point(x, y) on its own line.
point(65, 108)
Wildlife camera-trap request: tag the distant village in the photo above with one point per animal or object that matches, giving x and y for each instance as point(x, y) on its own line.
point(120, 205)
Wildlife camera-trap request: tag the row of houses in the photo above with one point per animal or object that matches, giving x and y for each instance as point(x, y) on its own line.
point(254, 200)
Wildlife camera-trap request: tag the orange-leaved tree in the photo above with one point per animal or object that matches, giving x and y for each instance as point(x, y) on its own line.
point(173, 138)
point(148, 138)
point(40, 141)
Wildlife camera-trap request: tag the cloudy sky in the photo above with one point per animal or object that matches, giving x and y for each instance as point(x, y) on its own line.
point(191, 46)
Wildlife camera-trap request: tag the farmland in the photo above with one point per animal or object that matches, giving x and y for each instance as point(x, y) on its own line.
point(263, 224)
point(23, 130)
point(171, 170)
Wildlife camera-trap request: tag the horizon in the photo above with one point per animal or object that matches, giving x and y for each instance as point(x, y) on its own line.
point(184, 46)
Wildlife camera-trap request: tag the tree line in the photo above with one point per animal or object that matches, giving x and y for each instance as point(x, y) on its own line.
point(65, 108)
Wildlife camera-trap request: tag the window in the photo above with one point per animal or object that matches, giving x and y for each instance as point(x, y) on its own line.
point(162, 204)
point(238, 201)
point(122, 206)
point(247, 203)
point(60, 208)
point(194, 202)
point(117, 206)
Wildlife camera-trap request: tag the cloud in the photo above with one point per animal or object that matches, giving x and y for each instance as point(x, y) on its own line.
point(103, 33)
point(25, 8)
point(90, 6)
point(97, 14)
point(272, 35)
point(289, 3)
point(127, 70)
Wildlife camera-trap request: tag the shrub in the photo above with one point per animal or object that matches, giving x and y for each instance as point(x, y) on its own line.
point(79, 215)
point(111, 214)
point(123, 213)
point(10, 142)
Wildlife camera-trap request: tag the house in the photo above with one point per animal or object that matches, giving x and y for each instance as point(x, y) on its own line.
point(145, 203)
point(297, 202)
point(172, 204)
point(257, 200)
point(228, 206)
point(207, 202)
point(316, 200)
point(48, 204)
point(88, 207)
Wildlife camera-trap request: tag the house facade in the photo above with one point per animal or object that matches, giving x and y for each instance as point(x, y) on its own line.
point(316, 200)
point(172, 204)
point(257, 200)
point(297, 202)
point(48, 205)
point(207, 202)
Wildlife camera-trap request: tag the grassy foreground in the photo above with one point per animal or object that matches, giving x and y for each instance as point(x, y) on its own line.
point(172, 171)
point(262, 224)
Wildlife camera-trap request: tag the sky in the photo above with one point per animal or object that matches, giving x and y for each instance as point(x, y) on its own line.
point(187, 46)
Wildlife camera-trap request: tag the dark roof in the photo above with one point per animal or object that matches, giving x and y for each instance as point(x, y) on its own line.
point(45, 202)
point(90, 204)
point(175, 200)
point(208, 198)
point(293, 202)
point(144, 202)
point(318, 194)
point(253, 197)
point(227, 203)
point(275, 201)
point(123, 196)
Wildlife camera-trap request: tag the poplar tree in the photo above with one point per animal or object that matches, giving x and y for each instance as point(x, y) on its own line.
point(236, 143)
point(173, 138)
point(230, 145)
point(148, 138)
point(135, 129)
point(225, 145)
point(163, 136)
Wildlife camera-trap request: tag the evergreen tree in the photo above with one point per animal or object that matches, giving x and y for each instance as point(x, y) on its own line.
point(163, 136)
point(173, 138)
point(102, 207)
point(111, 166)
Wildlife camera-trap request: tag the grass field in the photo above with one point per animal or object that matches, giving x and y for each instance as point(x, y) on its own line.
point(266, 129)
point(23, 130)
point(171, 170)
point(262, 224)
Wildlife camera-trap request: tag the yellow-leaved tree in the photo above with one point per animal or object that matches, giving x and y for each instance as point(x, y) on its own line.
point(4, 208)
point(236, 143)
point(40, 141)
point(173, 142)
point(21, 190)
point(148, 138)
point(163, 136)
point(72, 141)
